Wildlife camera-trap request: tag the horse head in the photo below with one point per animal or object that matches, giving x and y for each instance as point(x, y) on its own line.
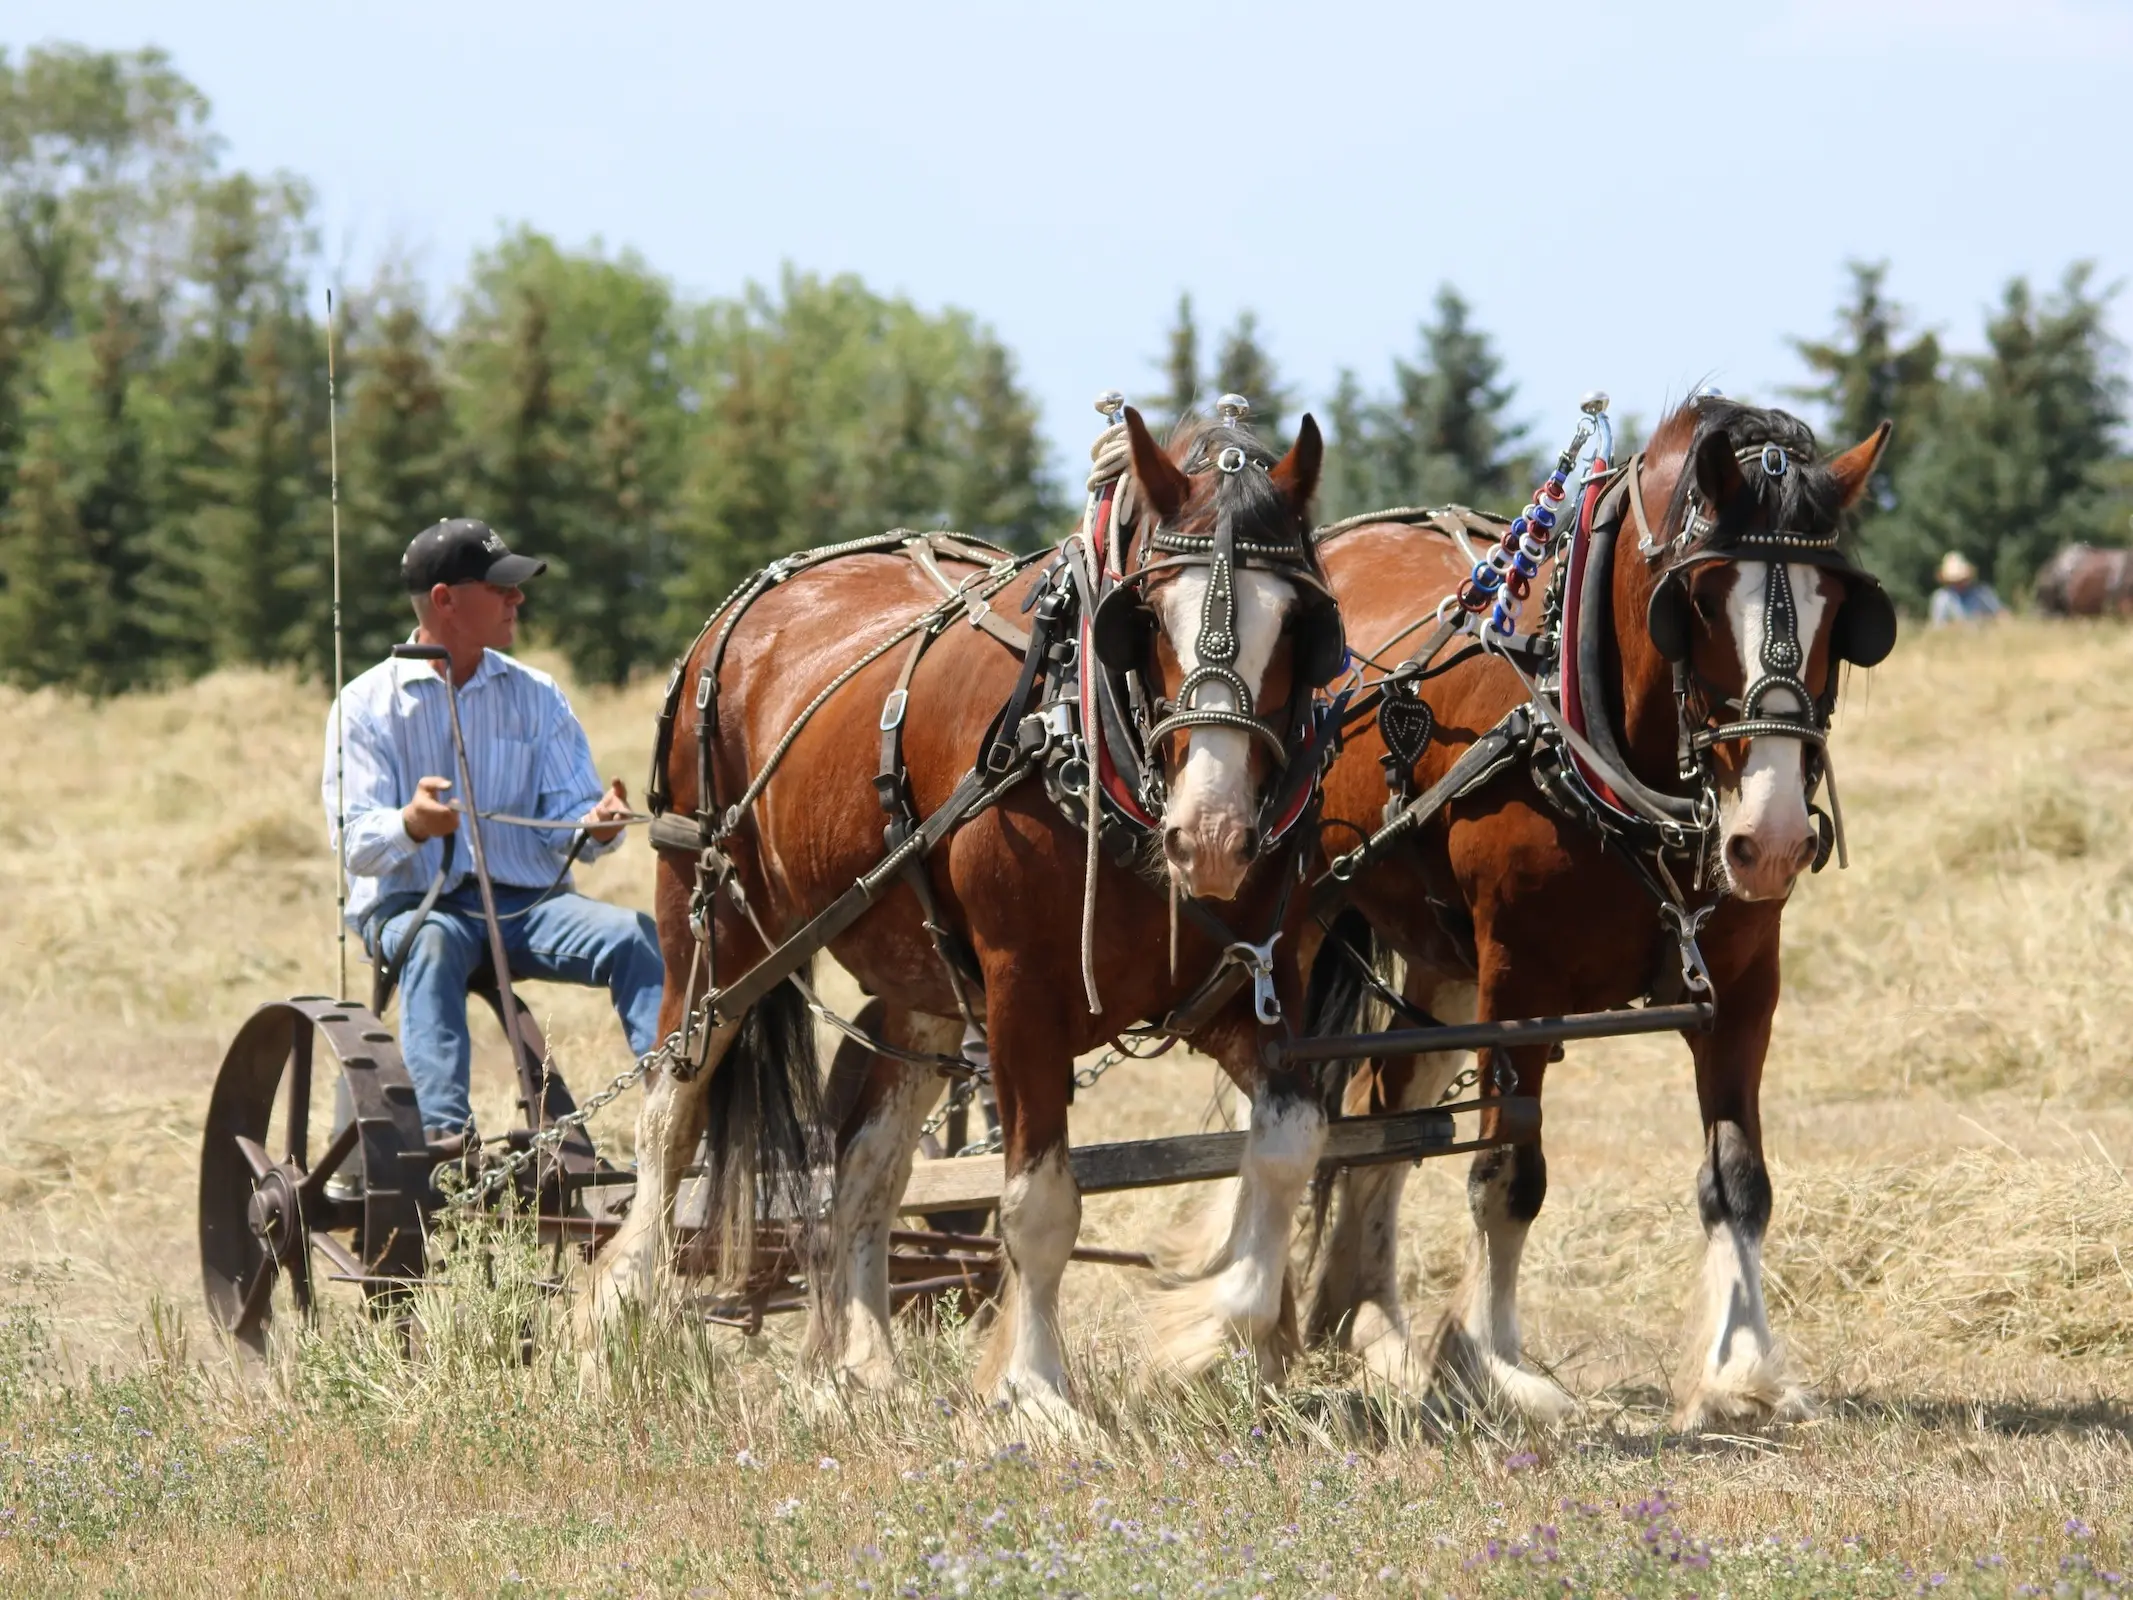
point(1223, 614)
point(1750, 608)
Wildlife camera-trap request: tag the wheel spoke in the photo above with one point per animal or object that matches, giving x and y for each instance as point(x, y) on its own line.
point(299, 1269)
point(329, 1162)
point(300, 1097)
point(254, 1157)
point(258, 1302)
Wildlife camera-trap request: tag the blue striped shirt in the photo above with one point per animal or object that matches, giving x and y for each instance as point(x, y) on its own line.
point(527, 751)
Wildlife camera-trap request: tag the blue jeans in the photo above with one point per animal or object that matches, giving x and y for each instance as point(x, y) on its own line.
point(565, 939)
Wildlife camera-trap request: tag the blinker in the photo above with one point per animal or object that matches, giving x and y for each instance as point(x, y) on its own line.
point(1863, 631)
point(1123, 629)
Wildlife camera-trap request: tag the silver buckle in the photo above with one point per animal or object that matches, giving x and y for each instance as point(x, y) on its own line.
point(892, 711)
point(1258, 959)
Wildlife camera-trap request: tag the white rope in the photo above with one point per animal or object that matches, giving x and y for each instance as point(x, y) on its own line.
point(1109, 457)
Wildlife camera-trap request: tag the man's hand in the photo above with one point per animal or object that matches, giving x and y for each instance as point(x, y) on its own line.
point(429, 815)
point(614, 803)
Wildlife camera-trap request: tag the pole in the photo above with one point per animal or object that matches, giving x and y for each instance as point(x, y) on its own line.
point(340, 737)
point(523, 1061)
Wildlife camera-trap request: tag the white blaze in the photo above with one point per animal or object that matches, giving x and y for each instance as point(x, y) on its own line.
point(1211, 798)
point(1770, 806)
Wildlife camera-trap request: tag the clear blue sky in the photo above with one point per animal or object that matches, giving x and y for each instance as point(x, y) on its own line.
point(1633, 195)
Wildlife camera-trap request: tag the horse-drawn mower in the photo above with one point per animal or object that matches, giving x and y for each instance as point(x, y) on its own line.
point(316, 1167)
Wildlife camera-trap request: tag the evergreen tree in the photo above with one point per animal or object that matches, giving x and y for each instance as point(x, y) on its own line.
point(50, 598)
point(233, 360)
point(395, 466)
point(1450, 437)
point(1181, 365)
point(2019, 457)
point(1242, 366)
point(116, 508)
point(1869, 372)
point(1355, 479)
point(258, 537)
point(571, 417)
point(1000, 491)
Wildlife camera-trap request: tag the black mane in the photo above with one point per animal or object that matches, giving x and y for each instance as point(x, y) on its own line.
point(1805, 499)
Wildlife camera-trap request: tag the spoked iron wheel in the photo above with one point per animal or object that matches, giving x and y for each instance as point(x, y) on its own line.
point(284, 1197)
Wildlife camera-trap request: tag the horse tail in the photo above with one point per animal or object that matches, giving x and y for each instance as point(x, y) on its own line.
point(1335, 992)
point(764, 1139)
point(1334, 999)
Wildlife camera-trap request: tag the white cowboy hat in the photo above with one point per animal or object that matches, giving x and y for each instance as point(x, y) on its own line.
point(1955, 568)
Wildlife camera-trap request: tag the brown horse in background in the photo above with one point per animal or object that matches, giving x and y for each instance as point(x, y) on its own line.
point(1009, 885)
point(1502, 907)
point(2084, 581)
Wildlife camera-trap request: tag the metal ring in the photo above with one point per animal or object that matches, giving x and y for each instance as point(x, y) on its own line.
point(1231, 459)
point(1774, 462)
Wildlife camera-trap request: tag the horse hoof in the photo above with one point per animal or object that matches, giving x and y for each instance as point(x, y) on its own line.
point(1045, 1411)
point(1720, 1407)
point(1472, 1378)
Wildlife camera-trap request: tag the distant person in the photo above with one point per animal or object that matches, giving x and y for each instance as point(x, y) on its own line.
point(529, 757)
point(1960, 597)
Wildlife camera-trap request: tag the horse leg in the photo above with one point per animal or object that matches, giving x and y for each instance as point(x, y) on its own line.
point(1237, 1293)
point(1354, 1293)
point(1040, 1208)
point(1734, 1370)
point(1477, 1344)
point(848, 1314)
point(630, 1271)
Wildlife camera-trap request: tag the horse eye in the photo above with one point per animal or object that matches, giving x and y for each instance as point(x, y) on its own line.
point(1706, 608)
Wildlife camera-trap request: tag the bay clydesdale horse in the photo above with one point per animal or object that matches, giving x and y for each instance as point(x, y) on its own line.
point(1503, 906)
point(1008, 884)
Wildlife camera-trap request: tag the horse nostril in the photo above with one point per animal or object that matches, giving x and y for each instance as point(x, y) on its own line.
point(1174, 843)
point(1248, 845)
point(1740, 852)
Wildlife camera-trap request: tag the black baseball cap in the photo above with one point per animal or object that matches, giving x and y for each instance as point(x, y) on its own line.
point(463, 550)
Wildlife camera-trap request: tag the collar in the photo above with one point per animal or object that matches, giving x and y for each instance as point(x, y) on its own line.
point(407, 674)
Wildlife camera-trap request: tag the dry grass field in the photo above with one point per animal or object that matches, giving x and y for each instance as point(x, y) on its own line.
point(1951, 1259)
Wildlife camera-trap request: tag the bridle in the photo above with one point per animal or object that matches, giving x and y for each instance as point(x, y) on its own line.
point(1124, 625)
point(1863, 631)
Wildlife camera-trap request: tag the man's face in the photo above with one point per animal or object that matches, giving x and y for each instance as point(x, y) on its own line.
point(484, 614)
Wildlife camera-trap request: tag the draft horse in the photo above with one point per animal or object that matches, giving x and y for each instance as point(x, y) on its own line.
point(1704, 618)
point(1195, 600)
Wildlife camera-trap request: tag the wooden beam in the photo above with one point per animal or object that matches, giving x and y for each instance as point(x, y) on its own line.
point(964, 1181)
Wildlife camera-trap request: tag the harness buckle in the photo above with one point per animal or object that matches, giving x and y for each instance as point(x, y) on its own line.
point(1695, 976)
point(892, 710)
point(703, 690)
point(1258, 960)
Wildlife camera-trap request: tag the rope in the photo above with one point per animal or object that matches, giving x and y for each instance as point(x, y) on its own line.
point(1109, 458)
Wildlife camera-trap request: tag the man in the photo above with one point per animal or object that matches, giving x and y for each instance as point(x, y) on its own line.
point(529, 757)
point(1960, 597)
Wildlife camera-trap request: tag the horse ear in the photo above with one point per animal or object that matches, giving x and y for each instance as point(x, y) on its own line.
point(1296, 474)
point(1165, 486)
point(1854, 469)
point(1718, 474)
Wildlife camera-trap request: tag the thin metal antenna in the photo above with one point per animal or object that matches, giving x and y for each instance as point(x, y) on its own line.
point(340, 737)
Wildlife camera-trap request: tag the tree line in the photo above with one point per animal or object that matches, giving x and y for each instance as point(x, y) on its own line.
point(163, 414)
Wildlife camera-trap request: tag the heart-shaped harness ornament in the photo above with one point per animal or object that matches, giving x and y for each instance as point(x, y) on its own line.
point(1406, 725)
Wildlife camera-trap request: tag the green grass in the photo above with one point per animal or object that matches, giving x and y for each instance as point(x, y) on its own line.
point(692, 1464)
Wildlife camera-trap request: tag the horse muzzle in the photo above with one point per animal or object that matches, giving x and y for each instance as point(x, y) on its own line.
point(1210, 853)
